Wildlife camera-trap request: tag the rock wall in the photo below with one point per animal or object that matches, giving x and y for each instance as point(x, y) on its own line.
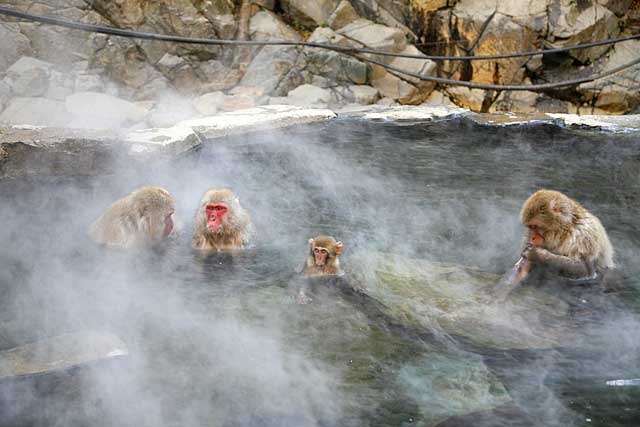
point(55, 76)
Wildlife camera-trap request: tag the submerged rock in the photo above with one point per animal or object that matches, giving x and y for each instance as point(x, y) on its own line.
point(380, 374)
point(453, 299)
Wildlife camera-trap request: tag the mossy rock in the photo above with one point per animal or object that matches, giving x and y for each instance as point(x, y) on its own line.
point(457, 300)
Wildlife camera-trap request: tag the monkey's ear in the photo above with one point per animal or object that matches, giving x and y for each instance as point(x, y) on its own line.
point(311, 243)
point(338, 248)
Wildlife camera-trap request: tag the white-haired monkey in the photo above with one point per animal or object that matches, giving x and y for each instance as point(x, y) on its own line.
point(564, 236)
point(143, 217)
point(323, 257)
point(221, 224)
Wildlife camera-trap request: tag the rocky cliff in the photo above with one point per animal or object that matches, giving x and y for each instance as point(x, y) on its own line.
point(57, 76)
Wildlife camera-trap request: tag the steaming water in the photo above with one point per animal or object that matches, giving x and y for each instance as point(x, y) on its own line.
point(219, 341)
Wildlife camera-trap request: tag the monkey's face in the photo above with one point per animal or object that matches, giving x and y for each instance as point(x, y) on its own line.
point(536, 231)
point(216, 214)
point(320, 255)
point(168, 224)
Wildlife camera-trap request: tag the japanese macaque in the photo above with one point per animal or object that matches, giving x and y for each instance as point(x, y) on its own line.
point(144, 217)
point(564, 236)
point(221, 224)
point(323, 257)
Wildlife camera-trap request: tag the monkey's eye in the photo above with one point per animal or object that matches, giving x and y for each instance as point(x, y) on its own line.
point(533, 227)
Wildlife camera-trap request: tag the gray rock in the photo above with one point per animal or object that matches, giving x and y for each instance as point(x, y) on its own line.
point(29, 151)
point(101, 111)
point(375, 36)
point(35, 112)
point(330, 65)
point(392, 13)
point(14, 44)
point(573, 25)
point(89, 83)
point(29, 76)
point(344, 14)
point(165, 142)
point(169, 110)
point(310, 95)
point(269, 67)
point(266, 25)
point(209, 103)
point(617, 93)
point(255, 119)
point(310, 13)
point(405, 89)
point(61, 85)
point(362, 94)
point(434, 296)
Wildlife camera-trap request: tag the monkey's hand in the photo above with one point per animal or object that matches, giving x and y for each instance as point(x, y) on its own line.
point(537, 255)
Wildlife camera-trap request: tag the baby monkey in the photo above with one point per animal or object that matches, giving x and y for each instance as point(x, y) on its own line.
point(323, 257)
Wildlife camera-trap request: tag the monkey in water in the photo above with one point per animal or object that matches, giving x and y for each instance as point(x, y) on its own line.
point(563, 236)
point(323, 259)
point(144, 217)
point(221, 224)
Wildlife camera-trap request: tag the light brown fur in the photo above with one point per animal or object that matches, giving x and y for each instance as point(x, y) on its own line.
point(236, 227)
point(332, 265)
point(135, 220)
point(574, 240)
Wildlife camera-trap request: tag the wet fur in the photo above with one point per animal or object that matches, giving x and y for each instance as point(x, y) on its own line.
point(135, 220)
point(332, 265)
point(570, 230)
point(235, 230)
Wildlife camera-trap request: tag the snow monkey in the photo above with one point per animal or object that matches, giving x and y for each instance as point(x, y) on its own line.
point(221, 224)
point(323, 256)
point(141, 218)
point(563, 235)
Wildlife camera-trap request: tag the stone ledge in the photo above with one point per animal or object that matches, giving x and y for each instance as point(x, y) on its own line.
point(33, 150)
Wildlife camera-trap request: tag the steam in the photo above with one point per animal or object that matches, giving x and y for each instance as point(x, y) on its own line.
point(220, 341)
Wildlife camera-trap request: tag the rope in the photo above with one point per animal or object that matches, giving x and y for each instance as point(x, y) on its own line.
point(353, 52)
point(207, 41)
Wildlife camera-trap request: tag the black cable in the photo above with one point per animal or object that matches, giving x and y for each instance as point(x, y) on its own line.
point(192, 40)
point(486, 86)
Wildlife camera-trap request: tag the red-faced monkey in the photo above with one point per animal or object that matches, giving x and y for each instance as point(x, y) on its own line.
point(323, 257)
point(563, 235)
point(143, 217)
point(221, 224)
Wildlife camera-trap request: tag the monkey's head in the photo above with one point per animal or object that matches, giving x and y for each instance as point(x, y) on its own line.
point(154, 206)
point(220, 213)
point(547, 212)
point(324, 250)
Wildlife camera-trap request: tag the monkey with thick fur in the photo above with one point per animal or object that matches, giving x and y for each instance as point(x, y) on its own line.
point(221, 224)
point(144, 217)
point(563, 236)
point(323, 257)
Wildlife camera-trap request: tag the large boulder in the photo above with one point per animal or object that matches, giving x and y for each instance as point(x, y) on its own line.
point(310, 13)
point(375, 36)
point(334, 66)
point(405, 89)
point(571, 24)
point(14, 44)
point(310, 95)
point(617, 93)
point(344, 14)
point(36, 112)
point(29, 77)
point(102, 111)
point(272, 63)
point(456, 300)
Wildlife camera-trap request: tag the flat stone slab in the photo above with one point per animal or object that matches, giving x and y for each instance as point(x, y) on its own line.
point(420, 112)
point(34, 150)
point(628, 123)
point(434, 296)
point(60, 353)
point(167, 141)
point(510, 119)
point(255, 119)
